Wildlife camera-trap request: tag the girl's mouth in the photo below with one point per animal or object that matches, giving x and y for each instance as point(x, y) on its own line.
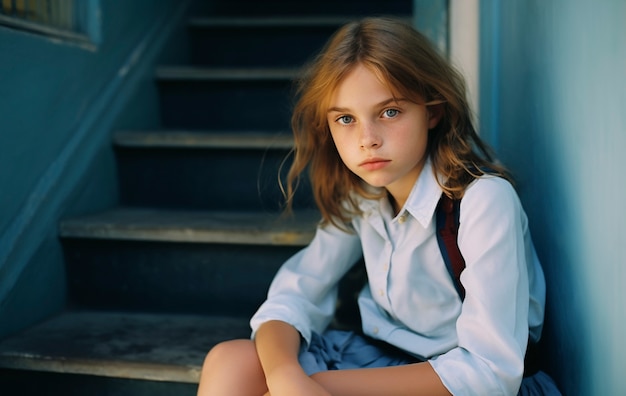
point(371, 164)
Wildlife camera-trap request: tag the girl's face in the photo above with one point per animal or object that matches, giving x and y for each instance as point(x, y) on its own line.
point(381, 139)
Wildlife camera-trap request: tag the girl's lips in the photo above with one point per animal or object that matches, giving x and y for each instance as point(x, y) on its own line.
point(374, 164)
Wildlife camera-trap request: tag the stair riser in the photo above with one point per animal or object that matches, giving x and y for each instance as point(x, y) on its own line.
point(265, 46)
point(205, 179)
point(171, 277)
point(226, 104)
point(320, 7)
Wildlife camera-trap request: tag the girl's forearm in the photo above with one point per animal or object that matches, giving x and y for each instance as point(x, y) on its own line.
point(277, 345)
point(413, 379)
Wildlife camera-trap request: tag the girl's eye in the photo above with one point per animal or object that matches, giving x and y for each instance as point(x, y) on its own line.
point(391, 113)
point(344, 120)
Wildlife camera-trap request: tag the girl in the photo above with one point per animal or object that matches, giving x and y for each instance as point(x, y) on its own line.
point(383, 126)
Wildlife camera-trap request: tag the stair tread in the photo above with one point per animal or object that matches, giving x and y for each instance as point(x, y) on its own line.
point(194, 226)
point(203, 139)
point(186, 73)
point(159, 347)
point(286, 21)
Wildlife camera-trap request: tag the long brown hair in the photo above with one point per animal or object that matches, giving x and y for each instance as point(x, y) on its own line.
point(406, 61)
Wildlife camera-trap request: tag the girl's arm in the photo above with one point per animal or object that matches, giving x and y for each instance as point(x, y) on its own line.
point(277, 345)
point(412, 379)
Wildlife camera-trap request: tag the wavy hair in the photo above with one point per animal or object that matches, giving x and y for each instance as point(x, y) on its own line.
point(405, 60)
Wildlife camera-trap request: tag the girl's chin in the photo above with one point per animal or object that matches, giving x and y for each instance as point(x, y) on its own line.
point(377, 183)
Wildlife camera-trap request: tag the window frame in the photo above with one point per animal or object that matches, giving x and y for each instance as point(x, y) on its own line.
point(86, 31)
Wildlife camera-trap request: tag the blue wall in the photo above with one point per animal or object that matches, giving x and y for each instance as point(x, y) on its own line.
point(553, 103)
point(58, 105)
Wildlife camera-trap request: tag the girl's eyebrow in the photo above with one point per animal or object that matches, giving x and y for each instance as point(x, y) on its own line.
point(381, 104)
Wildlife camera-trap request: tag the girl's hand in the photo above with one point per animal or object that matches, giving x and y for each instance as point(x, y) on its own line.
point(293, 381)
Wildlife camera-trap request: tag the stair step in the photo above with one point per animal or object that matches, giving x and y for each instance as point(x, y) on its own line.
point(191, 278)
point(202, 173)
point(203, 139)
point(213, 262)
point(304, 22)
point(220, 41)
point(123, 345)
point(194, 73)
point(194, 227)
point(268, 42)
point(225, 99)
point(302, 8)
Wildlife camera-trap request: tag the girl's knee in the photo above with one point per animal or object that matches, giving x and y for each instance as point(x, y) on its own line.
point(232, 367)
point(234, 351)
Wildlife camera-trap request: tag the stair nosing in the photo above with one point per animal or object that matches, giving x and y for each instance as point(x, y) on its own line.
point(287, 21)
point(108, 368)
point(220, 227)
point(200, 73)
point(269, 22)
point(202, 139)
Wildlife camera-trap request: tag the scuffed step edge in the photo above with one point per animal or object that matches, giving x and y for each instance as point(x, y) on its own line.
point(109, 368)
point(203, 140)
point(194, 227)
point(304, 22)
point(192, 73)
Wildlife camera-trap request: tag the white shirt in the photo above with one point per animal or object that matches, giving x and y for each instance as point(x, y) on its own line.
point(476, 346)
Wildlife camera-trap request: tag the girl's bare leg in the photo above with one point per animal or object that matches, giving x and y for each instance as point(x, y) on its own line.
point(232, 368)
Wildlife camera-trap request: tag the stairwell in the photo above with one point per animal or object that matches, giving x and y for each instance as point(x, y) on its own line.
point(187, 256)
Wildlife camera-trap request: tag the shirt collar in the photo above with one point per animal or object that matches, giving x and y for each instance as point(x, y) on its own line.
point(424, 196)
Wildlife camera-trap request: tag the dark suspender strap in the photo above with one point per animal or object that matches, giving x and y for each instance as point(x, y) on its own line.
point(447, 230)
point(448, 212)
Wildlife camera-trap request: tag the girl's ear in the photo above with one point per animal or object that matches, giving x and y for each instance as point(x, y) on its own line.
point(435, 112)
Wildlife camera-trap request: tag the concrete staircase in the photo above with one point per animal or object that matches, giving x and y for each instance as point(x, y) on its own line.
point(188, 254)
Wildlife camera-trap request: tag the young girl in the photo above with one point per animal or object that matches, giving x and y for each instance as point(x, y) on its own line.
point(383, 126)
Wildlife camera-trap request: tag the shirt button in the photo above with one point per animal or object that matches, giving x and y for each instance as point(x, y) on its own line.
point(375, 330)
point(386, 267)
point(402, 219)
point(381, 292)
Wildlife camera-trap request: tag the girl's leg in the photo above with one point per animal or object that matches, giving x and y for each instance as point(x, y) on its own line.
point(232, 368)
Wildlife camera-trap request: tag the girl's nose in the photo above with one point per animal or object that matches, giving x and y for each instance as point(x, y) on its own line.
point(369, 137)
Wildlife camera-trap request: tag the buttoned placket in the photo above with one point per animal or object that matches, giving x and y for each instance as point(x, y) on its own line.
point(395, 234)
point(380, 284)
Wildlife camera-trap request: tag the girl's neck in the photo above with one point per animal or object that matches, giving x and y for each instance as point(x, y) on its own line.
point(396, 205)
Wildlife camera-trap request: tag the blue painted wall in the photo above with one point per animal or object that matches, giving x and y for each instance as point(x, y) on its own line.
point(553, 103)
point(58, 106)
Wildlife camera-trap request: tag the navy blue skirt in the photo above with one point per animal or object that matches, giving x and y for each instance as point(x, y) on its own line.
point(342, 350)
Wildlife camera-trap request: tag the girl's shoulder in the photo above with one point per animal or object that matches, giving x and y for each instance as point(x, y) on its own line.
point(491, 191)
point(490, 183)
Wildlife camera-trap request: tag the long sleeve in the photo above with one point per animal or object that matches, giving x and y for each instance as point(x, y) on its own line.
point(304, 291)
point(493, 325)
